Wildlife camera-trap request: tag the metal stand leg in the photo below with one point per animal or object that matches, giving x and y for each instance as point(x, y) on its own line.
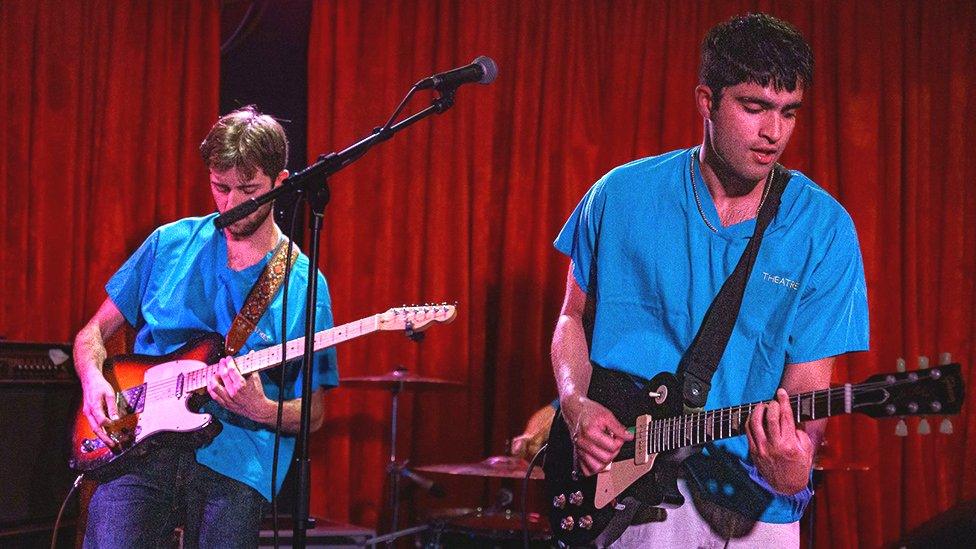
point(393, 467)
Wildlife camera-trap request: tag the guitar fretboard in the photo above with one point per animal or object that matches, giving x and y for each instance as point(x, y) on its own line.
point(702, 427)
point(256, 361)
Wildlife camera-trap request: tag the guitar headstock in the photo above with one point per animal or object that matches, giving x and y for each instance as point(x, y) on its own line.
point(932, 391)
point(416, 318)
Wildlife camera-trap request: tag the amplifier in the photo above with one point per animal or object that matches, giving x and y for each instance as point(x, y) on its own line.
point(40, 395)
point(36, 362)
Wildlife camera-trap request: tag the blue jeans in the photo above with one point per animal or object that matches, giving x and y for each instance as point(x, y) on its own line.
point(158, 492)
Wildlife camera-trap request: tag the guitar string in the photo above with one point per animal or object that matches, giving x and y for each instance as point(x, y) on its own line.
point(666, 434)
point(674, 432)
point(333, 336)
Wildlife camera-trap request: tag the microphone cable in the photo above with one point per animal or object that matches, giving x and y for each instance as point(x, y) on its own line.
point(281, 373)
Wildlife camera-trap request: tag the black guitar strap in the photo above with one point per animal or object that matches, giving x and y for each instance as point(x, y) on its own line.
point(701, 360)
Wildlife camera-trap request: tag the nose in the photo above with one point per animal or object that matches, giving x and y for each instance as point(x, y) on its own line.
point(772, 127)
point(234, 197)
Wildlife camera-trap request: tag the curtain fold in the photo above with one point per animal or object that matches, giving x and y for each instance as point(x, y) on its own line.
point(464, 207)
point(104, 103)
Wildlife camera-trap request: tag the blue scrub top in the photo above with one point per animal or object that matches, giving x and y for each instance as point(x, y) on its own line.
point(660, 266)
point(177, 285)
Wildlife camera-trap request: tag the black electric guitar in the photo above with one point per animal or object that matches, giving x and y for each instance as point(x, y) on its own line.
point(582, 507)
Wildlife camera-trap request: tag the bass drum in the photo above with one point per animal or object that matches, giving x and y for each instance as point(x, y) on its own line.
point(488, 530)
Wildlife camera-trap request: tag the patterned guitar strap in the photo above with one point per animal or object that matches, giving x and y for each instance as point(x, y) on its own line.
point(258, 299)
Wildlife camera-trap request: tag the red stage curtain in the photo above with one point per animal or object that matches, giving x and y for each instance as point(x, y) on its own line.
point(464, 207)
point(103, 105)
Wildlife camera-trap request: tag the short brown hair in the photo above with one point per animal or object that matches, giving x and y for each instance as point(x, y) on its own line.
point(247, 140)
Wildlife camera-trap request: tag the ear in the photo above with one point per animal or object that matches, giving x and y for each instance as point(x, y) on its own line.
point(703, 101)
point(281, 177)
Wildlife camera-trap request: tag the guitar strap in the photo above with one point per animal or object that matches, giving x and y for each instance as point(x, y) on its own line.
point(258, 299)
point(699, 363)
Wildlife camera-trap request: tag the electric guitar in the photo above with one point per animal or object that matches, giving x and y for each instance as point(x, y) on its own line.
point(158, 397)
point(583, 507)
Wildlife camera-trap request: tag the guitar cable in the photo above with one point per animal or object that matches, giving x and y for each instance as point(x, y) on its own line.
point(64, 504)
point(525, 491)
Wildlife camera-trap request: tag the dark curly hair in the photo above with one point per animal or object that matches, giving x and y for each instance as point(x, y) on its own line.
point(756, 48)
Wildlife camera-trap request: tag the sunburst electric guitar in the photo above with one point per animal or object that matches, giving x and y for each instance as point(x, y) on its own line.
point(159, 397)
point(646, 468)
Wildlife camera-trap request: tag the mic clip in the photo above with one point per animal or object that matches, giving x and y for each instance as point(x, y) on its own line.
point(444, 99)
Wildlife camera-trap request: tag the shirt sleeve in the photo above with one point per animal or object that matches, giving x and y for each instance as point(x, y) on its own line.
point(128, 285)
point(832, 316)
point(578, 237)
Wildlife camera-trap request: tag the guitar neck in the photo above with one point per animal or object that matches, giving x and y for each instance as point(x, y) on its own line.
point(702, 427)
point(271, 357)
point(256, 361)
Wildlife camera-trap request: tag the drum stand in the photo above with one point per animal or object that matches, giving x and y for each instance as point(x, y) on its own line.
point(396, 382)
point(393, 468)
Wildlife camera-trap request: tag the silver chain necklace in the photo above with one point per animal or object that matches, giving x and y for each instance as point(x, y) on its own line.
point(694, 188)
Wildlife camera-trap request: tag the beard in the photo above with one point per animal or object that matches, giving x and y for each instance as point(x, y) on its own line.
point(250, 224)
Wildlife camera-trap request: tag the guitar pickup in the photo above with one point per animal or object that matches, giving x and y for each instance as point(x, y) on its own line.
point(641, 455)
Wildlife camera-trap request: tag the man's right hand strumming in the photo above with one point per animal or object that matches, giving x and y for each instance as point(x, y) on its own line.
point(596, 433)
point(99, 407)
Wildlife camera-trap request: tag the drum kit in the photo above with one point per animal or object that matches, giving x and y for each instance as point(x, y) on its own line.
point(493, 526)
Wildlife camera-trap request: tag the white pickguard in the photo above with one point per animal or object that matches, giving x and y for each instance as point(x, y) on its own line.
point(165, 410)
point(617, 477)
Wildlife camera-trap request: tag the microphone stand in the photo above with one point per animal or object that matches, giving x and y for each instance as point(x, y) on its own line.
point(313, 183)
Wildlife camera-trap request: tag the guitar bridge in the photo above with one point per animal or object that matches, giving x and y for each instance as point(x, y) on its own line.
point(641, 455)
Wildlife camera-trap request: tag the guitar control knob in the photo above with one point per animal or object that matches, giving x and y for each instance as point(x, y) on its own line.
point(566, 524)
point(890, 409)
point(936, 406)
point(576, 498)
point(88, 445)
point(559, 501)
point(913, 407)
point(586, 522)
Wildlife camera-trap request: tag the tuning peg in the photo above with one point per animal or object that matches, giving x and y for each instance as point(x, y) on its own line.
point(945, 427)
point(901, 429)
point(945, 358)
point(923, 362)
point(900, 365)
point(923, 427)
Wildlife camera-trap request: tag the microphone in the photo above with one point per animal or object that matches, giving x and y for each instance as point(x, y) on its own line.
point(423, 482)
point(482, 70)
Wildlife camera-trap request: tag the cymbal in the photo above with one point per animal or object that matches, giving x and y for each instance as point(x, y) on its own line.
point(398, 380)
point(494, 467)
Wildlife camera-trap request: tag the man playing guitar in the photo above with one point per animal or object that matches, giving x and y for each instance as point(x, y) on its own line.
point(188, 278)
point(662, 234)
